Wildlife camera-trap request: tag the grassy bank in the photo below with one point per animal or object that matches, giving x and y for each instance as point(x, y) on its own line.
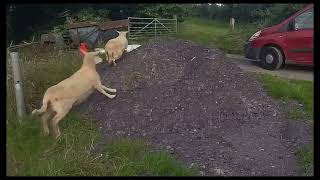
point(216, 34)
point(30, 153)
point(301, 91)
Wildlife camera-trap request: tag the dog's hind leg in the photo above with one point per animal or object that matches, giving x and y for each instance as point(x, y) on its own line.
point(44, 122)
point(61, 113)
point(109, 89)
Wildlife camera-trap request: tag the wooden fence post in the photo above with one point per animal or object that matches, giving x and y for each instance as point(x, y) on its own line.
point(21, 108)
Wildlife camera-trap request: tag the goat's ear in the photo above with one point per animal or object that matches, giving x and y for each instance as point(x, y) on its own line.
point(125, 32)
point(118, 32)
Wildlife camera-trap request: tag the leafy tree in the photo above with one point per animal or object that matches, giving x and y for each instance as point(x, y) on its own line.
point(164, 11)
point(260, 14)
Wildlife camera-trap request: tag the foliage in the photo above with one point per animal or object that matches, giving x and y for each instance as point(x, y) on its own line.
point(90, 14)
point(259, 14)
point(164, 11)
point(83, 15)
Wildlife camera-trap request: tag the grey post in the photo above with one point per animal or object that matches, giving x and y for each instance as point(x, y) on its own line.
point(21, 108)
point(129, 34)
point(176, 18)
point(155, 29)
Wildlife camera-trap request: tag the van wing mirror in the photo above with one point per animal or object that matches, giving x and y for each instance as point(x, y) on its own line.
point(290, 26)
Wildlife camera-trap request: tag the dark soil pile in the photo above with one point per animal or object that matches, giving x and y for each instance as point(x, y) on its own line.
point(198, 105)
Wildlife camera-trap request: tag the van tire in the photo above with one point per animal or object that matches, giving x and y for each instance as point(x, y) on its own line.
point(271, 58)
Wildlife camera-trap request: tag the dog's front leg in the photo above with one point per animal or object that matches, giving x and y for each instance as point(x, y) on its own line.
point(109, 89)
point(101, 90)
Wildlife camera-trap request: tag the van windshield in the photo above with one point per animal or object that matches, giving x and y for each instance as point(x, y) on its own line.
point(282, 17)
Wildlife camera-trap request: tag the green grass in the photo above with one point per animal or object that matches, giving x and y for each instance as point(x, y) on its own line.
point(30, 153)
point(301, 91)
point(295, 113)
point(216, 34)
point(305, 157)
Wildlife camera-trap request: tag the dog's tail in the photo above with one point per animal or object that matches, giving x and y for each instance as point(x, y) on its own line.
point(44, 106)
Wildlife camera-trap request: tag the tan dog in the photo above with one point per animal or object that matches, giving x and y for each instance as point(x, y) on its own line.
point(61, 97)
point(115, 47)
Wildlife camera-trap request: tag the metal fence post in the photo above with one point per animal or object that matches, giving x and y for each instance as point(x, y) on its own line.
point(129, 28)
point(176, 18)
point(21, 108)
point(155, 29)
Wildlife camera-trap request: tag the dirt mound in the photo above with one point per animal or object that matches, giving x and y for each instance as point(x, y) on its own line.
point(195, 103)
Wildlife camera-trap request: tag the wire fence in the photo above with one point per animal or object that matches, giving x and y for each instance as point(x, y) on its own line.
point(140, 28)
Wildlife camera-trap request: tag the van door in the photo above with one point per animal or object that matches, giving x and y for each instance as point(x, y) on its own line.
point(299, 39)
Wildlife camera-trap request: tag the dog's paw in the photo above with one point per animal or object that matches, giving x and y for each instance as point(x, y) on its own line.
point(57, 137)
point(112, 96)
point(46, 132)
point(112, 90)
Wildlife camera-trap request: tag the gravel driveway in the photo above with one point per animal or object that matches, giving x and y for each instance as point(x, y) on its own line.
point(195, 103)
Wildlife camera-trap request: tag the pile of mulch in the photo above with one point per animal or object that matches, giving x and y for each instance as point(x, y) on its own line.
point(193, 102)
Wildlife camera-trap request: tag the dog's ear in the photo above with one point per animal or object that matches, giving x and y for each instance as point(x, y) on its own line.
point(94, 53)
point(97, 59)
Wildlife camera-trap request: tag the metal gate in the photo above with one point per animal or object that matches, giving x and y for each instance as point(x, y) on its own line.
point(150, 27)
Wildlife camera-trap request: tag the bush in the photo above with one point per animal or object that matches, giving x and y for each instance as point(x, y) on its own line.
point(261, 15)
point(165, 11)
point(90, 14)
point(83, 15)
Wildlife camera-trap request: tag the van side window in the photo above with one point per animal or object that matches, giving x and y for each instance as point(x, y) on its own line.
point(304, 20)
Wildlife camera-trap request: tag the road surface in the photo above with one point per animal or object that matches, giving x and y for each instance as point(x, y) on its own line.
point(290, 72)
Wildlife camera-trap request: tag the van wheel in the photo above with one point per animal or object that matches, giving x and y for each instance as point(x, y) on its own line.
point(271, 58)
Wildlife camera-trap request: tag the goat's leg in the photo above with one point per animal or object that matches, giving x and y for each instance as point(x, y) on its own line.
point(101, 90)
point(109, 89)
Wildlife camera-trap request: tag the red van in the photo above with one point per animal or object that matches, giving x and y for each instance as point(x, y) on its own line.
point(290, 42)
